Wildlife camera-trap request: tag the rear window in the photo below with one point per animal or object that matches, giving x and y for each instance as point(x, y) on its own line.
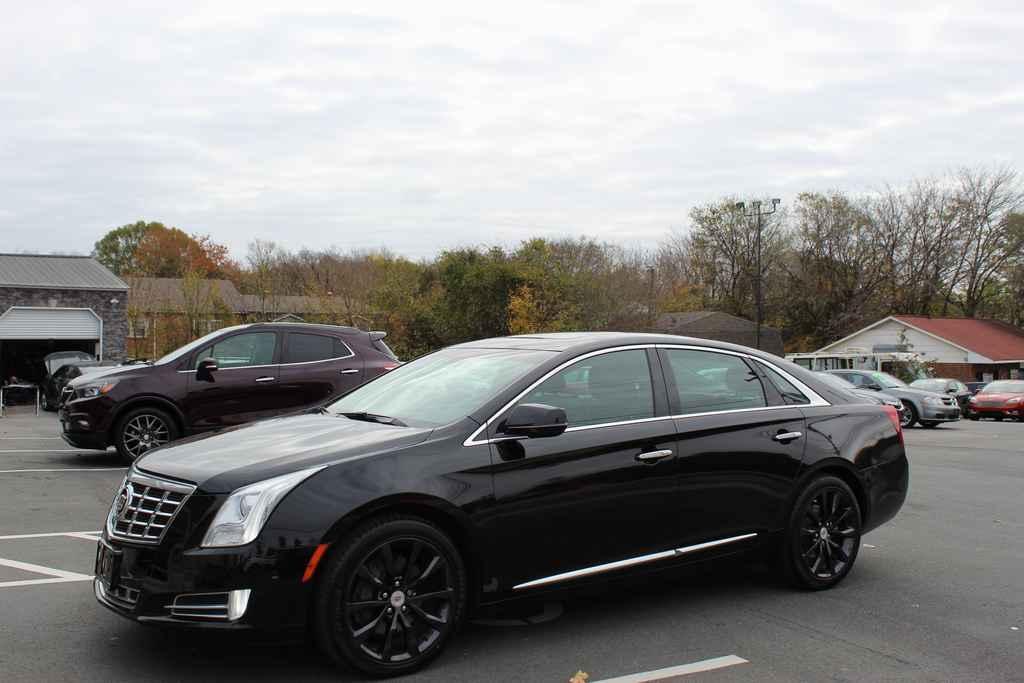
point(305, 348)
point(384, 348)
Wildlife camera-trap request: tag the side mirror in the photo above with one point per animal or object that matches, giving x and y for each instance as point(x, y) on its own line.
point(535, 420)
point(205, 369)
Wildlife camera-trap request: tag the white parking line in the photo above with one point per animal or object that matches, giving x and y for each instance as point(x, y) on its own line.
point(73, 534)
point(683, 670)
point(31, 438)
point(69, 469)
point(54, 450)
point(53, 575)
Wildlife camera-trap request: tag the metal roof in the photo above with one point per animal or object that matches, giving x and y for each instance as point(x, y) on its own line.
point(50, 271)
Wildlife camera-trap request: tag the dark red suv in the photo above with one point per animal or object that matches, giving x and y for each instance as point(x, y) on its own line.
point(229, 377)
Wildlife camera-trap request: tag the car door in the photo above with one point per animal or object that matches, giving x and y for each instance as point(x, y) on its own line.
point(601, 492)
point(739, 446)
point(244, 387)
point(315, 367)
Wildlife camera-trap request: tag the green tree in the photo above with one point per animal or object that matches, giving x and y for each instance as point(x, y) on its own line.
point(116, 250)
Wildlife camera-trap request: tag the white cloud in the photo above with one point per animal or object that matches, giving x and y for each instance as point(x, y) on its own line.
point(422, 125)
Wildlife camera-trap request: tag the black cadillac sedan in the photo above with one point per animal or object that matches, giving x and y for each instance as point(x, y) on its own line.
point(497, 470)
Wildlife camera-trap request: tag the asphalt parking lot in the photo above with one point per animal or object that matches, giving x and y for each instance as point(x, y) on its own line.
point(937, 594)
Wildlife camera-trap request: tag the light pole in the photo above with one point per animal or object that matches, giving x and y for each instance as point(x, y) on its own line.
point(759, 303)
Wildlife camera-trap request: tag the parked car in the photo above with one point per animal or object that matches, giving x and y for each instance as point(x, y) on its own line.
point(1000, 399)
point(52, 388)
point(52, 363)
point(975, 387)
point(950, 387)
point(926, 407)
point(878, 397)
point(227, 378)
point(495, 470)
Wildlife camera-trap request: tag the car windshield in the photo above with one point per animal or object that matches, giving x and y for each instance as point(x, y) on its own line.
point(440, 388)
point(936, 385)
point(1004, 387)
point(192, 345)
point(887, 381)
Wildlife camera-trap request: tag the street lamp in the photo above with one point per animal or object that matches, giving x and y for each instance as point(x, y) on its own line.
point(759, 303)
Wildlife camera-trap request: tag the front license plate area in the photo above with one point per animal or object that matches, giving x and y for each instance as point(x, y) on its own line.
point(108, 565)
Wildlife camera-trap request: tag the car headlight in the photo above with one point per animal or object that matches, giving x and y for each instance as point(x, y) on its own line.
point(1014, 401)
point(94, 390)
point(241, 517)
point(933, 400)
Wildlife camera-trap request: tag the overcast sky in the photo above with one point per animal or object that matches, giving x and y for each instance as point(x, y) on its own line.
point(426, 125)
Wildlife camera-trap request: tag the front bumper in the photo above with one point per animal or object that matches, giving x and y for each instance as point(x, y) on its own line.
point(940, 413)
point(85, 423)
point(997, 411)
point(156, 584)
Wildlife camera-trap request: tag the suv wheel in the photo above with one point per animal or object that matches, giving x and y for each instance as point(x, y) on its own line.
point(390, 597)
point(141, 430)
point(823, 536)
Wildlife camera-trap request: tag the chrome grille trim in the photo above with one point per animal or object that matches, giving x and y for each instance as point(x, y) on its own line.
point(200, 606)
point(150, 510)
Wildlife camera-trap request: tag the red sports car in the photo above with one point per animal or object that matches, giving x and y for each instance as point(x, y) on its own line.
point(1000, 399)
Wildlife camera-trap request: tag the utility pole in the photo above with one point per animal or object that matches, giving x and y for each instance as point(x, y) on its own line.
point(759, 299)
point(650, 299)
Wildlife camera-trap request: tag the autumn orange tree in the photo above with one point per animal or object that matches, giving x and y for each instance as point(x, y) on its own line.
point(151, 249)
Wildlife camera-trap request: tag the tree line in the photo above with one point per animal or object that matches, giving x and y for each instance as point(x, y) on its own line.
point(830, 263)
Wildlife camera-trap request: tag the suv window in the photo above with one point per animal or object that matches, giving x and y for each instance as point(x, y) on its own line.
point(706, 381)
point(790, 394)
point(856, 379)
point(611, 387)
point(242, 350)
point(304, 348)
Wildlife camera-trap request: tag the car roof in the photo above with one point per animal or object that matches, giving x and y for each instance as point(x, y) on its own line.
point(581, 342)
point(308, 327)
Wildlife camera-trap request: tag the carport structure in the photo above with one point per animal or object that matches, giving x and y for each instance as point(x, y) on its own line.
point(57, 303)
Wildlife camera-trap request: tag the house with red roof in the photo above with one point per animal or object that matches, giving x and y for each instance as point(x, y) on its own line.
point(968, 349)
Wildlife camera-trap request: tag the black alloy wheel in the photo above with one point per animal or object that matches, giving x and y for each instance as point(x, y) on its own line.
point(44, 402)
point(909, 415)
point(142, 430)
point(390, 599)
point(824, 534)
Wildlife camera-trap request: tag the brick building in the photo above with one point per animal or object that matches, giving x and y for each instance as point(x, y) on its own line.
point(968, 349)
point(58, 303)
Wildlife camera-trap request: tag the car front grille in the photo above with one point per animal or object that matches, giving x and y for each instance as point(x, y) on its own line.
point(144, 507)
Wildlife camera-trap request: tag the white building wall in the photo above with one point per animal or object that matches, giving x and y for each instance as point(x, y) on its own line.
point(888, 333)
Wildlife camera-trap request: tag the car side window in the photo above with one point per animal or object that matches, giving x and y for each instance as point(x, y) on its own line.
point(706, 381)
point(302, 347)
point(790, 394)
point(855, 379)
point(242, 350)
point(610, 387)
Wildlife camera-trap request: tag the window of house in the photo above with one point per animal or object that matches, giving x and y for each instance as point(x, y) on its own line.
point(138, 328)
point(611, 387)
point(201, 327)
point(242, 350)
point(304, 348)
point(706, 381)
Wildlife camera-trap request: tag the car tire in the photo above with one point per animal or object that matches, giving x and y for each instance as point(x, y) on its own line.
point(44, 403)
point(406, 578)
point(973, 418)
point(142, 430)
point(910, 415)
point(823, 535)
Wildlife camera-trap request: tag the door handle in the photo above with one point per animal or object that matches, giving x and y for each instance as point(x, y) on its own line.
point(786, 437)
point(264, 380)
point(653, 456)
point(348, 371)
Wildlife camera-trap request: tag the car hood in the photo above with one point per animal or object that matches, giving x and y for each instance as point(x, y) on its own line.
point(114, 371)
point(910, 392)
point(224, 461)
point(997, 397)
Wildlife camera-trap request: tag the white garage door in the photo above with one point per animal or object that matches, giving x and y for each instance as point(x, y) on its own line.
point(49, 323)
